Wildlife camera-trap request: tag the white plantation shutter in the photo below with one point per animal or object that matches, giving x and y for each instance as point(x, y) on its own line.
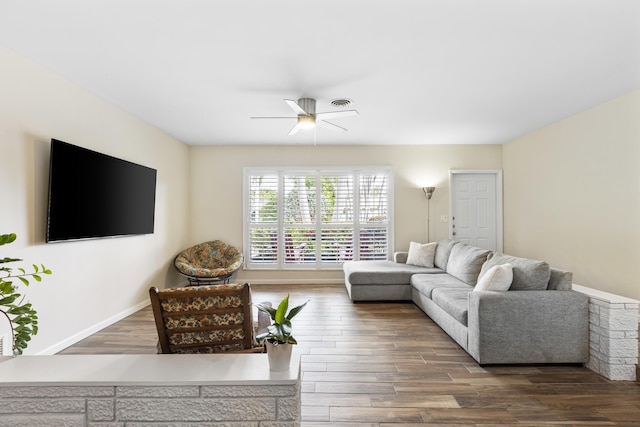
point(337, 226)
point(310, 218)
point(374, 217)
point(299, 218)
point(263, 219)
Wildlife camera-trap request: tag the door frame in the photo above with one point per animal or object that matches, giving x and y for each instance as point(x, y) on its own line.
point(499, 203)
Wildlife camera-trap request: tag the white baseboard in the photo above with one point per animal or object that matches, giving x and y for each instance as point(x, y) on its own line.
point(295, 282)
point(277, 282)
point(93, 329)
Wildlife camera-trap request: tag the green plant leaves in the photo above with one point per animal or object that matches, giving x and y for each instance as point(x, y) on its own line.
point(7, 238)
point(282, 309)
point(268, 310)
point(9, 299)
point(21, 315)
point(296, 310)
point(20, 310)
point(280, 330)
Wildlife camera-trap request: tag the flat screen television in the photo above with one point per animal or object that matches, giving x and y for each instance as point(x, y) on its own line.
point(94, 195)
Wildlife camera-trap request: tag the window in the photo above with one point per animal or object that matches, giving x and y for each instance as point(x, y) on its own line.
point(316, 218)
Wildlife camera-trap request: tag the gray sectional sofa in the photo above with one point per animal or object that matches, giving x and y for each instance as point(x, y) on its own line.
point(539, 319)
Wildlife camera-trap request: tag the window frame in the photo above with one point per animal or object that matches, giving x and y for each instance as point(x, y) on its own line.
point(318, 172)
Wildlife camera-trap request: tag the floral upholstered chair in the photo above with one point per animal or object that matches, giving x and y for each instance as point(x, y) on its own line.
point(209, 262)
point(206, 319)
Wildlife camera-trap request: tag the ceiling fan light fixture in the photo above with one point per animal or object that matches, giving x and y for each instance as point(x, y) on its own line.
point(307, 118)
point(306, 122)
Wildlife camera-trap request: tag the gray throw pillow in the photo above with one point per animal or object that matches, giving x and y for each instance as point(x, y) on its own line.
point(443, 250)
point(466, 261)
point(560, 280)
point(528, 274)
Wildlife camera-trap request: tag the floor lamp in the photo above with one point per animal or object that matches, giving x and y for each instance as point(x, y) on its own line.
point(428, 192)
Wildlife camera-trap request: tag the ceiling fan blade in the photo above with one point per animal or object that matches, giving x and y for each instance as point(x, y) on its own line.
point(295, 129)
point(337, 114)
point(329, 125)
point(295, 107)
point(280, 117)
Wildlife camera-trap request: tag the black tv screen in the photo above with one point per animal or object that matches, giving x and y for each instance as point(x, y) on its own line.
point(94, 195)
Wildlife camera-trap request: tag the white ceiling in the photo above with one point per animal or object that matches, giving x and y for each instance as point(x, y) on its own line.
point(418, 71)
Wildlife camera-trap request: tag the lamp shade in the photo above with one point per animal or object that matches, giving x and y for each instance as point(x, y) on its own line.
point(428, 192)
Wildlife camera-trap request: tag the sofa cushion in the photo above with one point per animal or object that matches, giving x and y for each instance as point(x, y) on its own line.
point(421, 254)
point(497, 278)
point(528, 274)
point(466, 261)
point(453, 301)
point(443, 250)
point(426, 283)
point(382, 272)
point(560, 280)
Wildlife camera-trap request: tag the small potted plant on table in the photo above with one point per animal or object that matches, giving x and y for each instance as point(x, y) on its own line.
point(278, 338)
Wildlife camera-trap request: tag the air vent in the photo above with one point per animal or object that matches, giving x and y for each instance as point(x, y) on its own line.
point(340, 102)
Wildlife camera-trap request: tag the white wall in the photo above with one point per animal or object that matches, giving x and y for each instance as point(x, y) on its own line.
point(216, 188)
point(93, 281)
point(572, 196)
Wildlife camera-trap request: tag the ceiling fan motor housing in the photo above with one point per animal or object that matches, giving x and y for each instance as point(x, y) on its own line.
point(308, 105)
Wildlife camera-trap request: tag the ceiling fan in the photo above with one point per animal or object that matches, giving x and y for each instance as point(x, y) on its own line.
point(307, 118)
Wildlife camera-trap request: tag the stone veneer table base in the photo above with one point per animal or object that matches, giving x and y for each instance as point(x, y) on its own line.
point(148, 390)
point(613, 334)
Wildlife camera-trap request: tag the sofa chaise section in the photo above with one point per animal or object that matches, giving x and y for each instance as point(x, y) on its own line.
point(381, 280)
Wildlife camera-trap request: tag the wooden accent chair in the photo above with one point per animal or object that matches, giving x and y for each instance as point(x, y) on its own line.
point(206, 319)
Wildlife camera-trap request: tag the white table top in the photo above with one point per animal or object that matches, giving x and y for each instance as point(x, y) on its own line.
point(144, 369)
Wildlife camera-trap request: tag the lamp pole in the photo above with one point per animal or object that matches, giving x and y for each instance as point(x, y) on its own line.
point(428, 192)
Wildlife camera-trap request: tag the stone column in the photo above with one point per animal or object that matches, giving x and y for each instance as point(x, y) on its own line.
point(613, 324)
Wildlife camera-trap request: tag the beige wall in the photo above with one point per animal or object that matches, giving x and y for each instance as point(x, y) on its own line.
point(216, 189)
point(94, 281)
point(572, 196)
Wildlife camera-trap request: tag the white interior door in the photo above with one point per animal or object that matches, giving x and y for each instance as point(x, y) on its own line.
point(476, 208)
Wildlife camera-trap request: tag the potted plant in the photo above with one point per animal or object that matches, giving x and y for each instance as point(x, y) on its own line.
point(21, 315)
point(278, 338)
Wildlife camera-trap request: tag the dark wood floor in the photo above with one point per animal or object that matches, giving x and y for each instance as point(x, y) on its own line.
point(369, 365)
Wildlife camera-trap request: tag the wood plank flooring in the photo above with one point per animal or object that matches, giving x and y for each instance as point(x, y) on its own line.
point(389, 365)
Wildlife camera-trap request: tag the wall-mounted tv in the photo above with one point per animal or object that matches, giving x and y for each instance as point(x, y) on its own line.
point(94, 195)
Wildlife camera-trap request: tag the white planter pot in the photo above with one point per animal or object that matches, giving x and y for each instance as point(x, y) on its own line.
point(279, 356)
